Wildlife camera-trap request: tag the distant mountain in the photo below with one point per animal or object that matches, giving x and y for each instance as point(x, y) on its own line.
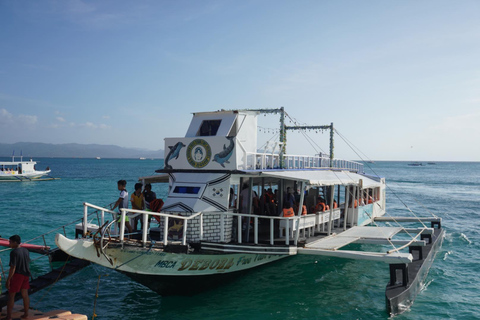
point(74, 150)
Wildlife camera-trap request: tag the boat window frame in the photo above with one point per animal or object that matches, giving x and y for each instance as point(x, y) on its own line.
point(210, 125)
point(173, 194)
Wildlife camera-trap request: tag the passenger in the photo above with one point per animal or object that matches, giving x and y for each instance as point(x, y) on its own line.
point(244, 198)
point(288, 210)
point(304, 210)
point(18, 276)
point(290, 197)
point(148, 195)
point(122, 203)
point(256, 203)
point(335, 204)
point(321, 206)
point(232, 202)
point(138, 203)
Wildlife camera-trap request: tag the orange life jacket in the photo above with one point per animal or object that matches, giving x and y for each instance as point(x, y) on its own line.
point(304, 210)
point(320, 206)
point(288, 212)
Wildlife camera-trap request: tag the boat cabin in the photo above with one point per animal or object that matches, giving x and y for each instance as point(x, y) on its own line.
point(217, 169)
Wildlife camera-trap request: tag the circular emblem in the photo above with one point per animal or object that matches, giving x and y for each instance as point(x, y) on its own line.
point(199, 153)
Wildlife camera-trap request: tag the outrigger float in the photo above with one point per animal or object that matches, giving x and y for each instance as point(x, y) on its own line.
point(206, 232)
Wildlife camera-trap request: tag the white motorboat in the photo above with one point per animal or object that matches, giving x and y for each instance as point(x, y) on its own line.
point(224, 214)
point(20, 170)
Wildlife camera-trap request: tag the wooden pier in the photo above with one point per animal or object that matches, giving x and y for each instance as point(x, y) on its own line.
point(38, 315)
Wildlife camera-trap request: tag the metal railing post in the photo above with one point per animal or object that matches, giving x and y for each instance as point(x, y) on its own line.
point(85, 220)
point(122, 225)
point(272, 231)
point(184, 236)
point(144, 229)
point(255, 230)
point(165, 232)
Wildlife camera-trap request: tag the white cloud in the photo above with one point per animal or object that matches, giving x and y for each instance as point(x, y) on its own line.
point(92, 125)
point(18, 121)
point(5, 116)
point(27, 119)
point(61, 119)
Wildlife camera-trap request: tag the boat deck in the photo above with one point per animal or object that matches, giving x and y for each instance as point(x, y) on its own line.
point(337, 241)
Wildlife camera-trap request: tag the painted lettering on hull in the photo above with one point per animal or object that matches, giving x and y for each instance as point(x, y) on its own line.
point(203, 264)
point(166, 264)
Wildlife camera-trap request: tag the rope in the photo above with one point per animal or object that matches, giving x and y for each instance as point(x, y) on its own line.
point(388, 187)
point(151, 246)
point(94, 315)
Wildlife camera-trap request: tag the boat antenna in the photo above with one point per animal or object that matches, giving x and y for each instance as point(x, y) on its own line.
point(284, 128)
point(13, 156)
point(324, 127)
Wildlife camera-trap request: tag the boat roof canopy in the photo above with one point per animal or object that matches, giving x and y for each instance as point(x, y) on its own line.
point(324, 177)
point(311, 177)
point(157, 178)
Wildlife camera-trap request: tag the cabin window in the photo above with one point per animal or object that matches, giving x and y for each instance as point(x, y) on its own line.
point(209, 128)
point(186, 190)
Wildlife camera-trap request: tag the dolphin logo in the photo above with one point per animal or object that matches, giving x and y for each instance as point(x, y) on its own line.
point(173, 153)
point(223, 156)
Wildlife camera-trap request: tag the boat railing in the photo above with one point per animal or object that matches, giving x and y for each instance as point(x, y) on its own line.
point(100, 217)
point(196, 224)
point(266, 161)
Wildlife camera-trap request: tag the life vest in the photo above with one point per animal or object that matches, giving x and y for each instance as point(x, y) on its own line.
point(355, 203)
point(304, 210)
point(288, 212)
point(156, 205)
point(320, 206)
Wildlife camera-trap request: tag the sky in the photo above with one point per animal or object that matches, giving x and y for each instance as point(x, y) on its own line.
point(400, 80)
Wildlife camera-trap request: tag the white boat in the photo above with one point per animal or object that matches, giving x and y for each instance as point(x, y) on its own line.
point(20, 170)
point(204, 235)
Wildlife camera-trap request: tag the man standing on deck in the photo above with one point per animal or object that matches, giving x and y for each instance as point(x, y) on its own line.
point(18, 276)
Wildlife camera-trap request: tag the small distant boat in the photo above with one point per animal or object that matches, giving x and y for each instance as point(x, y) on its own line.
point(416, 164)
point(98, 158)
point(431, 163)
point(20, 170)
point(142, 158)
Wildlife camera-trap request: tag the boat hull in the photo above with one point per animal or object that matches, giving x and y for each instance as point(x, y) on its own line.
point(21, 177)
point(164, 271)
point(400, 297)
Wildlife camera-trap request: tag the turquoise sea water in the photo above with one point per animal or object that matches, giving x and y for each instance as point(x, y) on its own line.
point(300, 287)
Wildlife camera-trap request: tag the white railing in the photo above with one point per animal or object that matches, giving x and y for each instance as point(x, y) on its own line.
point(296, 223)
point(266, 161)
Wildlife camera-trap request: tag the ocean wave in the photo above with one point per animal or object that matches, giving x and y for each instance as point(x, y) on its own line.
point(446, 255)
point(463, 236)
point(425, 285)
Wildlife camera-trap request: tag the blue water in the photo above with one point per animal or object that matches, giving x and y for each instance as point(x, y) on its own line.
point(300, 287)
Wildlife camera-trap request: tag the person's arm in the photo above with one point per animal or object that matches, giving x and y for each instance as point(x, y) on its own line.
point(10, 275)
point(117, 203)
point(132, 200)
